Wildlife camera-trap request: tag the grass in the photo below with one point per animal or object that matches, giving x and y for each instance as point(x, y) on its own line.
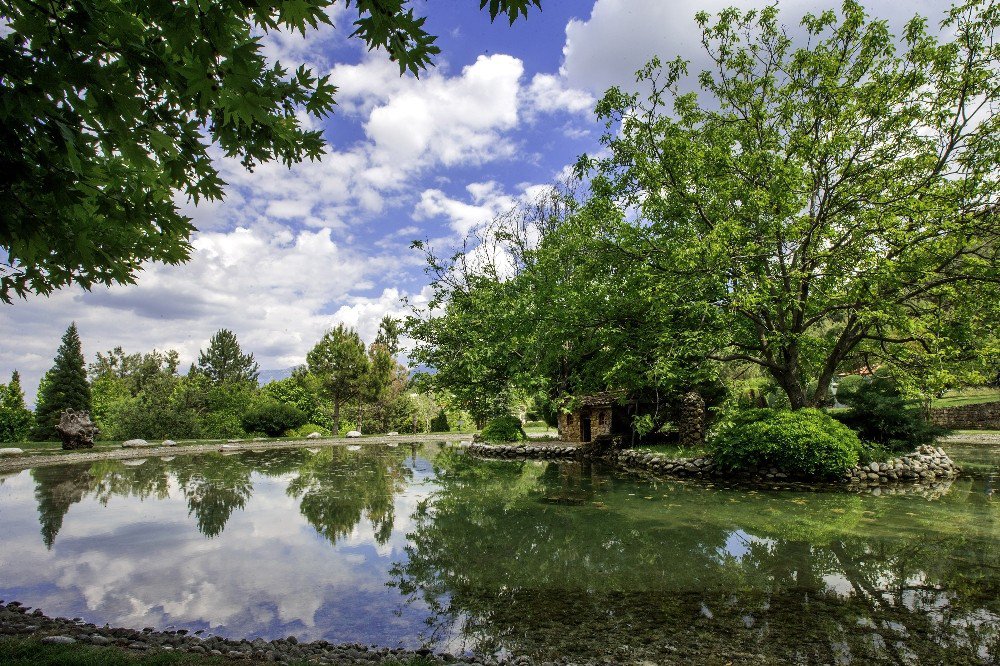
point(19, 651)
point(967, 396)
point(674, 450)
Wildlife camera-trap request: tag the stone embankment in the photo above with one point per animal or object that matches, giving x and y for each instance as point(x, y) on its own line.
point(526, 451)
point(19, 620)
point(927, 465)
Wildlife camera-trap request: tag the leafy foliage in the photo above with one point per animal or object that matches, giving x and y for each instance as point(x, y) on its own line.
point(806, 443)
point(829, 202)
point(881, 414)
point(504, 429)
point(64, 387)
point(273, 418)
point(340, 364)
point(108, 110)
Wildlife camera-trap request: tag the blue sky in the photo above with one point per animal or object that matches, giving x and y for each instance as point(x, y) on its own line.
point(292, 252)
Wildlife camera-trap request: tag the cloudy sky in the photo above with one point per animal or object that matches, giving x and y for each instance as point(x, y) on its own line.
point(290, 253)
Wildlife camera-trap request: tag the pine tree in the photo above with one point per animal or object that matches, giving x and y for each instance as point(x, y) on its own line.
point(15, 417)
point(225, 363)
point(340, 363)
point(64, 387)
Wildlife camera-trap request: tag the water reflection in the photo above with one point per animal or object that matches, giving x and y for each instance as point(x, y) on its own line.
point(400, 547)
point(696, 573)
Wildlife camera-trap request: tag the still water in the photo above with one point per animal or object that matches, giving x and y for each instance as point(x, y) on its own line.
point(425, 546)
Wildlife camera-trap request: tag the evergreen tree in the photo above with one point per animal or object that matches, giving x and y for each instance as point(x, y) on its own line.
point(65, 386)
point(15, 417)
point(225, 363)
point(341, 365)
point(440, 422)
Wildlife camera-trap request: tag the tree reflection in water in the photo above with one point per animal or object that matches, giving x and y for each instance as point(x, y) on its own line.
point(336, 488)
point(563, 560)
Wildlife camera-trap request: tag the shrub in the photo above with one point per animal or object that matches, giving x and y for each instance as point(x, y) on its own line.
point(504, 429)
point(273, 418)
point(879, 413)
point(805, 443)
point(307, 429)
point(440, 422)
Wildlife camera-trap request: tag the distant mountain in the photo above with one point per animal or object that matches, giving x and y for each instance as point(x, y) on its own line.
point(274, 375)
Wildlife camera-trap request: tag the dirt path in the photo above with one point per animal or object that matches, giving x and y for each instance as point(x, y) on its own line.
point(14, 464)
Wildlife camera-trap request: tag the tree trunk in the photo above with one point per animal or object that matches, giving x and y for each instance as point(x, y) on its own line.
point(336, 418)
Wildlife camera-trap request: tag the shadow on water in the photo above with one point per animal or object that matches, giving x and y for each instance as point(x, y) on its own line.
point(579, 561)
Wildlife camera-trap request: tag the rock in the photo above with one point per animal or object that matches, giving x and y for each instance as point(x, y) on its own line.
point(353, 434)
point(391, 434)
point(169, 442)
point(10, 451)
point(76, 430)
point(136, 444)
point(313, 435)
point(58, 640)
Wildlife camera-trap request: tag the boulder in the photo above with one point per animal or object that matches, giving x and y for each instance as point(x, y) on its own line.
point(76, 430)
point(353, 434)
point(313, 435)
point(136, 444)
point(169, 442)
point(391, 434)
point(10, 451)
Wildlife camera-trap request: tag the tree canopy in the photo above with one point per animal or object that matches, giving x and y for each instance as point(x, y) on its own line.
point(108, 111)
point(815, 207)
point(340, 364)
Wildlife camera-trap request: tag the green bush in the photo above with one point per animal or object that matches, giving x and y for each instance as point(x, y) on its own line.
point(307, 429)
point(273, 418)
point(440, 422)
point(805, 443)
point(504, 429)
point(879, 413)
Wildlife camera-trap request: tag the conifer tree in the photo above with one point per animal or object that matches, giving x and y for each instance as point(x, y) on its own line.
point(65, 386)
point(15, 417)
point(225, 363)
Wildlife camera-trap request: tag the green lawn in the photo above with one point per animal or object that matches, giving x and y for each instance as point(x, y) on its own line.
point(967, 396)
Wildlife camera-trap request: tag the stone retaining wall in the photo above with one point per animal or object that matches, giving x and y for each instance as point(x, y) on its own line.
point(985, 416)
point(927, 465)
point(533, 451)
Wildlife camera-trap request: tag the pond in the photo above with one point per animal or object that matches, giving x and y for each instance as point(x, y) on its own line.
point(424, 546)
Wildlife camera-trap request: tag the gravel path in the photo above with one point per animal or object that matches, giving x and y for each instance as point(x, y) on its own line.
point(14, 464)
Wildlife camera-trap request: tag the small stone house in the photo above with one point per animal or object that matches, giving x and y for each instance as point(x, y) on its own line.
point(594, 416)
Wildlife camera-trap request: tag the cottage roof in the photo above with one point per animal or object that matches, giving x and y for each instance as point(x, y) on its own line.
point(602, 399)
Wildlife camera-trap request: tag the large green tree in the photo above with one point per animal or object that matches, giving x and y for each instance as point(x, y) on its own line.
point(15, 417)
point(341, 365)
point(819, 200)
point(225, 363)
point(108, 110)
point(64, 386)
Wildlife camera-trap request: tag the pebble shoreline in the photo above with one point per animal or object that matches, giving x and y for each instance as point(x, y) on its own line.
point(19, 620)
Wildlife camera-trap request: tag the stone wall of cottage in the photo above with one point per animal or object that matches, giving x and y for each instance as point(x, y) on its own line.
point(600, 423)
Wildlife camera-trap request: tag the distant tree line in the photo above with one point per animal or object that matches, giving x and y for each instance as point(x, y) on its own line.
point(344, 385)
